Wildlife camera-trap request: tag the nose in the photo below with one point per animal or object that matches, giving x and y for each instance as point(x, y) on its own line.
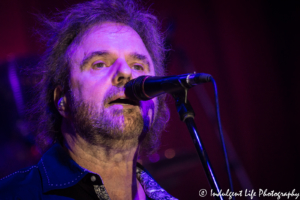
point(123, 73)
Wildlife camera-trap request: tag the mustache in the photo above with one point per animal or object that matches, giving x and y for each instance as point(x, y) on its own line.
point(112, 92)
point(117, 92)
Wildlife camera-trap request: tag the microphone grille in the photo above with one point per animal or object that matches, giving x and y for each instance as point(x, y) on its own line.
point(134, 89)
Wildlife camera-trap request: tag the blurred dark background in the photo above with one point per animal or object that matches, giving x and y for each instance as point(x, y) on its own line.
point(251, 48)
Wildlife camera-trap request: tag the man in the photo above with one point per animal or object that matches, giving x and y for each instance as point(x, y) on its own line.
point(96, 132)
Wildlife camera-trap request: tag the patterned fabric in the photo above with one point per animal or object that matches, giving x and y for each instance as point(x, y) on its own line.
point(101, 192)
point(58, 177)
point(150, 186)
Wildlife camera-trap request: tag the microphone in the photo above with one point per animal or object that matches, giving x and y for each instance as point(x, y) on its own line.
point(144, 88)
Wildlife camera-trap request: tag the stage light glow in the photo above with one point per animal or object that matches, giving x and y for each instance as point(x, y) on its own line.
point(170, 153)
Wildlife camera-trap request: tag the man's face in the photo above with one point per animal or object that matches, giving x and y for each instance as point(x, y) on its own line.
point(108, 56)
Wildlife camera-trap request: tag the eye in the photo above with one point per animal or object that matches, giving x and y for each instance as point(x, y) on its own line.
point(138, 67)
point(99, 65)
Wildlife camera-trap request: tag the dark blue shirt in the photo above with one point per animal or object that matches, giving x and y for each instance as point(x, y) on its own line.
point(57, 176)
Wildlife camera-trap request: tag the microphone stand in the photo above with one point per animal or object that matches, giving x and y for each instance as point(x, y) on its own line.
point(187, 115)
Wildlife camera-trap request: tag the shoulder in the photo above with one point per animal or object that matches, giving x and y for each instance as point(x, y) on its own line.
point(24, 183)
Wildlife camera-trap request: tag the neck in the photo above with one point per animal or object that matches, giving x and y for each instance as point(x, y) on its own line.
point(115, 164)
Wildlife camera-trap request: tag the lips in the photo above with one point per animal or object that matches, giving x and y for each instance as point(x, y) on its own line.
point(122, 100)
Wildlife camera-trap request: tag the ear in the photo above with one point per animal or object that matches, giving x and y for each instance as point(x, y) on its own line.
point(61, 102)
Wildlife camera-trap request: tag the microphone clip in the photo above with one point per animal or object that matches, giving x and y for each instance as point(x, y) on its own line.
point(183, 106)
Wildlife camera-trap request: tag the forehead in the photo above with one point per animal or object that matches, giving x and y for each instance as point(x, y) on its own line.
point(116, 38)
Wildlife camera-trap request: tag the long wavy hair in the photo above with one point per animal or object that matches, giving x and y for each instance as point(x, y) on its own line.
point(68, 27)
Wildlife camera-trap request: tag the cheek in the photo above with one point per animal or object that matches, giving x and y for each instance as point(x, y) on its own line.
point(89, 89)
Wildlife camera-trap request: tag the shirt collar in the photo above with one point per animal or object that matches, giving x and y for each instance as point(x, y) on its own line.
point(59, 170)
point(151, 188)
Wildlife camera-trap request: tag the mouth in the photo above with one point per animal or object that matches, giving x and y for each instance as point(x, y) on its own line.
point(124, 101)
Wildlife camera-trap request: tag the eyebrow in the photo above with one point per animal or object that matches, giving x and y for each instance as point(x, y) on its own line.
point(89, 56)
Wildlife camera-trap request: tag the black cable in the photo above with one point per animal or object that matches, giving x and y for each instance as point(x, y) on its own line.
point(221, 135)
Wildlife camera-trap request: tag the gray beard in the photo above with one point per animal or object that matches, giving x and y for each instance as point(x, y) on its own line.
point(118, 127)
point(107, 127)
